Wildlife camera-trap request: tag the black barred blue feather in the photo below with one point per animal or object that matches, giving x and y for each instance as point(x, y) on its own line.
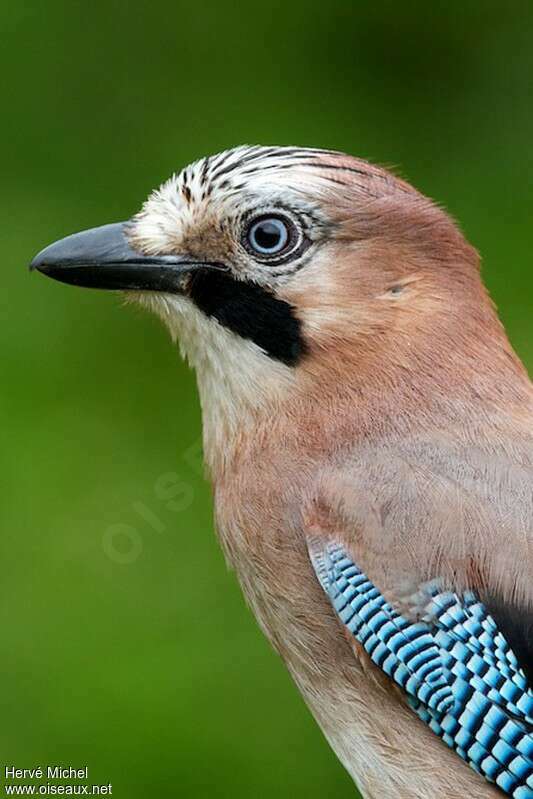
point(458, 671)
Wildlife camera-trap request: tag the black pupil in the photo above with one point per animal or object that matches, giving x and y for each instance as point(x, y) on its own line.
point(267, 235)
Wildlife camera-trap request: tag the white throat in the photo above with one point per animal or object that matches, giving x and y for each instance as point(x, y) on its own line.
point(237, 381)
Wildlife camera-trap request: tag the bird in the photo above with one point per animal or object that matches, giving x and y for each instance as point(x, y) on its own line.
point(367, 430)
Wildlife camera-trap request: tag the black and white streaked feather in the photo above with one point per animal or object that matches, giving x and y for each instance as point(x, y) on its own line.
point(457, 669)
point(234, 172)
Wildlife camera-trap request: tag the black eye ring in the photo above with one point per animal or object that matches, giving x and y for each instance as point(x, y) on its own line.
point(271, 237)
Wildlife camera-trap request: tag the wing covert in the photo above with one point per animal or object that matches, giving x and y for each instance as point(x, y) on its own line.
point(456, 667)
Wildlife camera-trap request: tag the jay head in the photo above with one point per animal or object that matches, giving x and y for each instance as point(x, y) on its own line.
point(292, 274)
point(355, 383)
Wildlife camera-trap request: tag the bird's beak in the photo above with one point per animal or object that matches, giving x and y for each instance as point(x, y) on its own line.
point(102, 258)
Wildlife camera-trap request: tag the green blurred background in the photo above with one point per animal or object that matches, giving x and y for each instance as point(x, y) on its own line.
point(126, 645)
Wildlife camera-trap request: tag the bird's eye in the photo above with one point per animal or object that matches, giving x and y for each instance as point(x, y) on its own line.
point(272, 238)
point(268, 236)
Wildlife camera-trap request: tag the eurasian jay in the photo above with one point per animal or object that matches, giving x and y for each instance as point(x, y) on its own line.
point(368, 434)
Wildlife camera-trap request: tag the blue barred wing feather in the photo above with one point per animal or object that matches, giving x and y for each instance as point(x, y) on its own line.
point(457, 669)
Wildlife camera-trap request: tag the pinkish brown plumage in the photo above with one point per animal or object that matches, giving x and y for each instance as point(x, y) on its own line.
point(357, 387)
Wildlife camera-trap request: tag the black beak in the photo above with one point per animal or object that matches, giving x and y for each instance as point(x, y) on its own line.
point(102, 258)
